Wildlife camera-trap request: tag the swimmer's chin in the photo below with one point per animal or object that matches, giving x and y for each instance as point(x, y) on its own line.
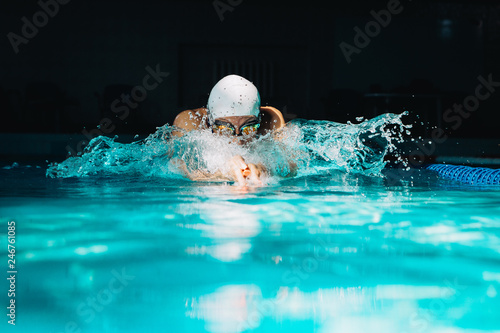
point(242, 140)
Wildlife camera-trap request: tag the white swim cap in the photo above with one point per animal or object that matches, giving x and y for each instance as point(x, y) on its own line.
point(233, 95)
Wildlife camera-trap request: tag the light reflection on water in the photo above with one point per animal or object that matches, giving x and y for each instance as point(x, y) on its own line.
point(333, 253)
point(237, 308)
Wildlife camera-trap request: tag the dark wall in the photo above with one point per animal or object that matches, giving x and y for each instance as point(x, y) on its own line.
point(92, 53)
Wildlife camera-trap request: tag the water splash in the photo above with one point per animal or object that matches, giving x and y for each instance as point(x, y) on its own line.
point(314, 146)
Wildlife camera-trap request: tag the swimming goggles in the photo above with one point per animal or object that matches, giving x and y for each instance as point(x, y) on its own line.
point(222, 127)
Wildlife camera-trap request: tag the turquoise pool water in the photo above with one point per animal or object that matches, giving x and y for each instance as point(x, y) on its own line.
point(329, 252)
point(116, 240)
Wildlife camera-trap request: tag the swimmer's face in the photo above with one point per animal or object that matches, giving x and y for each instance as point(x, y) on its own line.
point(244, 128)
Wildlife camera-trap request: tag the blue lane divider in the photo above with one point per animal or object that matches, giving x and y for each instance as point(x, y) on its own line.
point(468, 175)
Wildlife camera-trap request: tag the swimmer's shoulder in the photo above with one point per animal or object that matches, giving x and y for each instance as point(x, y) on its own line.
point(188, 120)
point(271, 119)
point(191, 119)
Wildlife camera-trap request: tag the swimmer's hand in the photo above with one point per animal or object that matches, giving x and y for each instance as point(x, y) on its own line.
point(240, 171)
point(243, 172)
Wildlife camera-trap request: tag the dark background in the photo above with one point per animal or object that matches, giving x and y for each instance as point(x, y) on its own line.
point(428, 58)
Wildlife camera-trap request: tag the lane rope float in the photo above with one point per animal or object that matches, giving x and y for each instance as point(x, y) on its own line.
point(466, 174)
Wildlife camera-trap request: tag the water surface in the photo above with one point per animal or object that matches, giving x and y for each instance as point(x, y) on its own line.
point(330, 252)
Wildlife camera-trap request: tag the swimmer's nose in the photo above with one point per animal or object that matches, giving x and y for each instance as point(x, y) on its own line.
point(238, 140)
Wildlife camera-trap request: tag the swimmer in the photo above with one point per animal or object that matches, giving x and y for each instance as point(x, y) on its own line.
point(233, 110)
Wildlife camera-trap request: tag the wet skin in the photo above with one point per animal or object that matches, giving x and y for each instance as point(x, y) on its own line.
point(243, 171)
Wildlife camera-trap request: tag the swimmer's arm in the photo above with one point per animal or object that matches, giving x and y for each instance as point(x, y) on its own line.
point(197, 175)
